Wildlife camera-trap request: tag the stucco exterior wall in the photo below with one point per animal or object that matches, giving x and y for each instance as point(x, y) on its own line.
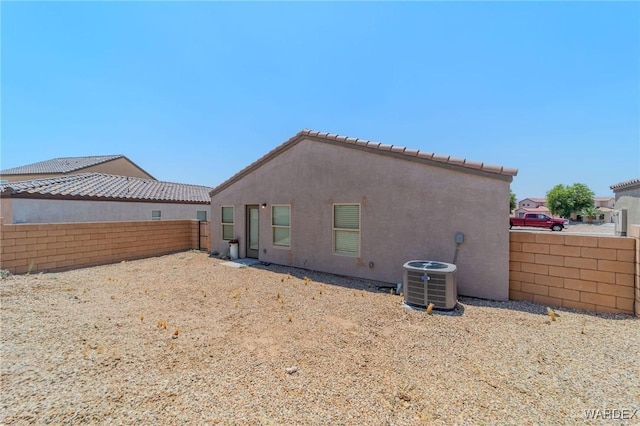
point(629, 199)
point(57, 211)
point(6, 209)
point(408, 211)
point(120, 167)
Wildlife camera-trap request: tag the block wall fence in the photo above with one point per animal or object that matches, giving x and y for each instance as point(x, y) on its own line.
point(594, 273)
point(61, 246)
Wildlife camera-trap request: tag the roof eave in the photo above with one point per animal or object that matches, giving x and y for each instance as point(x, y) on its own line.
point(67, 197)
point(479, 169)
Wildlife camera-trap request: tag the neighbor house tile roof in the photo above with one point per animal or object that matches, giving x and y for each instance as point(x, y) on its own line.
point(536, 200)
point(60, 165)
point(100, 186)
point(625, 184)
point(65, 165)
point(541, 209)
point(424, 157)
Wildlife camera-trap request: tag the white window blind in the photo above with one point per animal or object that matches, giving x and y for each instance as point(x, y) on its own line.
point(227, 223)
point(281, 225)
point(346, 229)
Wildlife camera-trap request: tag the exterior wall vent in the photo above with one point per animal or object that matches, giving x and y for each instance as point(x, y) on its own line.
point(427, 281)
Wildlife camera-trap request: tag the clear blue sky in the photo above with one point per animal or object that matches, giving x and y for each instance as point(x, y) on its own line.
point(195, 91)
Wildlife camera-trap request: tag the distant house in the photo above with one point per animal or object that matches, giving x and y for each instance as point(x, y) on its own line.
point(98, 197)
point(605, 208)
point(607, 202)
point(109, 164)
point(532, 205)
point(603, 205)
point(628, 198)
point(359, 208)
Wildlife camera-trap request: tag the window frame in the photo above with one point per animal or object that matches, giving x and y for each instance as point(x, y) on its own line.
point(231, 224)
point(273, 228)
point(334, 229)
point(154, 217)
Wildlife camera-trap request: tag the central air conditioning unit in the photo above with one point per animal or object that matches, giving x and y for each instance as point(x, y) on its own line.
point(427, 281)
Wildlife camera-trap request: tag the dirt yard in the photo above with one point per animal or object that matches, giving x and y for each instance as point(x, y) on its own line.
point(183, 339)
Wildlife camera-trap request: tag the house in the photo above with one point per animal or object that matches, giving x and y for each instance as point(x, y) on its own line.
point(627, 196)
point(532, 205)
point(358, 208)
point(99, 197)
point(109, 164)
point(605, 208)
point(603, 205)
point(606, 202)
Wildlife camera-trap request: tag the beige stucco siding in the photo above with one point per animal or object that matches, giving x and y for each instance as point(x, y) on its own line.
point(57, 211)
point(408, 211)
point(629, 199)
point(120, 167)
point(6, 210)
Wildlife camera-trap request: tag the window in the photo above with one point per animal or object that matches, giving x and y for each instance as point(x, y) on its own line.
point(156, 214)
point(227, 223)
point(201, 215)
point(280, 225)
point(346, 229)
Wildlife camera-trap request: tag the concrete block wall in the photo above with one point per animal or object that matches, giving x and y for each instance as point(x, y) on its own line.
point(634, 232)
point(595, 273)
point(61, 246)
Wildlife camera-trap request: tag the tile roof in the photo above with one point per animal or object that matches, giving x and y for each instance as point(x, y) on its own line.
point(430, 158)
point(100, 186)
point(536, 200)
point(541, 209)
point(625, 184)
point(59, 165)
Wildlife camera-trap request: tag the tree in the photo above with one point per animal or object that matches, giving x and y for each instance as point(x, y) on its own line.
point(591, 213)
point(512, 201)
point(564, 200)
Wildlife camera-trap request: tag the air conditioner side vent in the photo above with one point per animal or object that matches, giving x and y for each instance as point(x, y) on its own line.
point(428, 282)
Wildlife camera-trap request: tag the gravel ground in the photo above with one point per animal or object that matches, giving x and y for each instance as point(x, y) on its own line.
point(183, 339)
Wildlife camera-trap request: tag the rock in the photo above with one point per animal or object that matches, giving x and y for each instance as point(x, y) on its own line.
point(291, 370)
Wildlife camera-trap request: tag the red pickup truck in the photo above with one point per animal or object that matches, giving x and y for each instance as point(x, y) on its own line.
point(539, 220)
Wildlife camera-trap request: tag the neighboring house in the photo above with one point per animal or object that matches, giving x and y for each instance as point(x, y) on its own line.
point(358, 208)
point(99, 197)
point(531, 205)
point(603, 205)
point(604, 211)
point(605, 208)
point(607, 202)
point(628, 198)
point(110, 164)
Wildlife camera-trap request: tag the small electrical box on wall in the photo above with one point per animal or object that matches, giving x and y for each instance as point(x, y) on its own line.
point(459, 238)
